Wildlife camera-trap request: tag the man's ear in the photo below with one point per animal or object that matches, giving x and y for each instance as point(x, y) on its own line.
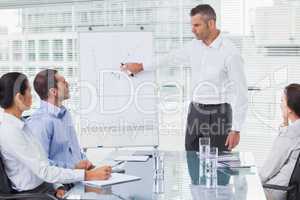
point(211, 24)
point(53, 91)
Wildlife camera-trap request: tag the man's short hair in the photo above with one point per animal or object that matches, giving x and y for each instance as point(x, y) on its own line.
point(44, 81)
point(204, 10)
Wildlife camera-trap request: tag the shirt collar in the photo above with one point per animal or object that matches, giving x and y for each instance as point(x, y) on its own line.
point(12, 120)
point(295, 125)
point(216, 43)
point(293, 129)
point(58, 112)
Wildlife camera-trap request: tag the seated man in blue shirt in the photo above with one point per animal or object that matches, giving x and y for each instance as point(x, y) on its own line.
point(52, 123)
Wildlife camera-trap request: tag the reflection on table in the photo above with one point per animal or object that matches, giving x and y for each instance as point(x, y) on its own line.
point(176, 178)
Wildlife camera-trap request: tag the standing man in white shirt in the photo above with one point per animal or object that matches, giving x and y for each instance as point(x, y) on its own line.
point(219, 87)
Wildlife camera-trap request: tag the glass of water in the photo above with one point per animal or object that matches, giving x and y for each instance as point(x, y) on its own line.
point(159, 166)
point(204, 147)
point(212, 162)
point(211, 165)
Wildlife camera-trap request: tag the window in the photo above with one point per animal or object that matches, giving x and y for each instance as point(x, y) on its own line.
point(17, 50)
point(3, 50)
point(44, 50)
point(31, 50)
point(57, 47)
point(69, 50)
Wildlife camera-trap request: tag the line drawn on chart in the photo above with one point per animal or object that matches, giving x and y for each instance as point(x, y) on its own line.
point(129, 53)
point(134, 49)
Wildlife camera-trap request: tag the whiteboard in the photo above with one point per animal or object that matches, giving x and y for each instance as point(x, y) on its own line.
point(117, 110)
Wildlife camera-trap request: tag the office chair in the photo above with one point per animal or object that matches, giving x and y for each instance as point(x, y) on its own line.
point(293, 189)
point(6, 191)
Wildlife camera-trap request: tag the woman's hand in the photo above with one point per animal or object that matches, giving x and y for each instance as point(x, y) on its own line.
point(284, 111)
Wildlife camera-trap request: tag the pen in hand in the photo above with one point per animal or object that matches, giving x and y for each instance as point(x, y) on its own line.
point(124, 68)
point(117, 164)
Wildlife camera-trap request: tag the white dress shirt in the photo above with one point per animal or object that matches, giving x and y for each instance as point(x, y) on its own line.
point(217, 74)
point(25, 161)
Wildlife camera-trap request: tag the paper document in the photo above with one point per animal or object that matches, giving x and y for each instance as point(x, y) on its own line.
point(115, 178)
point(222, 165)
point(237, 164)
point(224, 158)
point(132, 158)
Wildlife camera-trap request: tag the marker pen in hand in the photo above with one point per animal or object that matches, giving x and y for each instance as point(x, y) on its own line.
point(123, 66)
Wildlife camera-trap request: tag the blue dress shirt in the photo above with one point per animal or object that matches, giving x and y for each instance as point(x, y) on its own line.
point(54, 128)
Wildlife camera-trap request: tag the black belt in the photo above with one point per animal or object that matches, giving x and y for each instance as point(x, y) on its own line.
point(209, 105)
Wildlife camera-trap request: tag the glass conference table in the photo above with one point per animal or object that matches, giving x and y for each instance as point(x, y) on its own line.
point(180, 181)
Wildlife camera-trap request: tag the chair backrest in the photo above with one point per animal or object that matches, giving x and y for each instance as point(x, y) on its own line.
point(295, 181)
point(5, 185)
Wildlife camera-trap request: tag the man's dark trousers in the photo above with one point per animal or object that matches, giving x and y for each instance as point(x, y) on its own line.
point(208, 120)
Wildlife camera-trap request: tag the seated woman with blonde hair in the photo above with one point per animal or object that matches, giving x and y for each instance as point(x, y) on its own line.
point(283, 156)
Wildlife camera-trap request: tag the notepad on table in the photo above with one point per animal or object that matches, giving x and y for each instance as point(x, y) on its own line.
point(116, 178)
point(132, 158)
point(237, 164)
point(245, 160)
point(225, 158)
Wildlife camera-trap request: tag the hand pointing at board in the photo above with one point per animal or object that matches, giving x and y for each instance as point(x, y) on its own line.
point(132, 68)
